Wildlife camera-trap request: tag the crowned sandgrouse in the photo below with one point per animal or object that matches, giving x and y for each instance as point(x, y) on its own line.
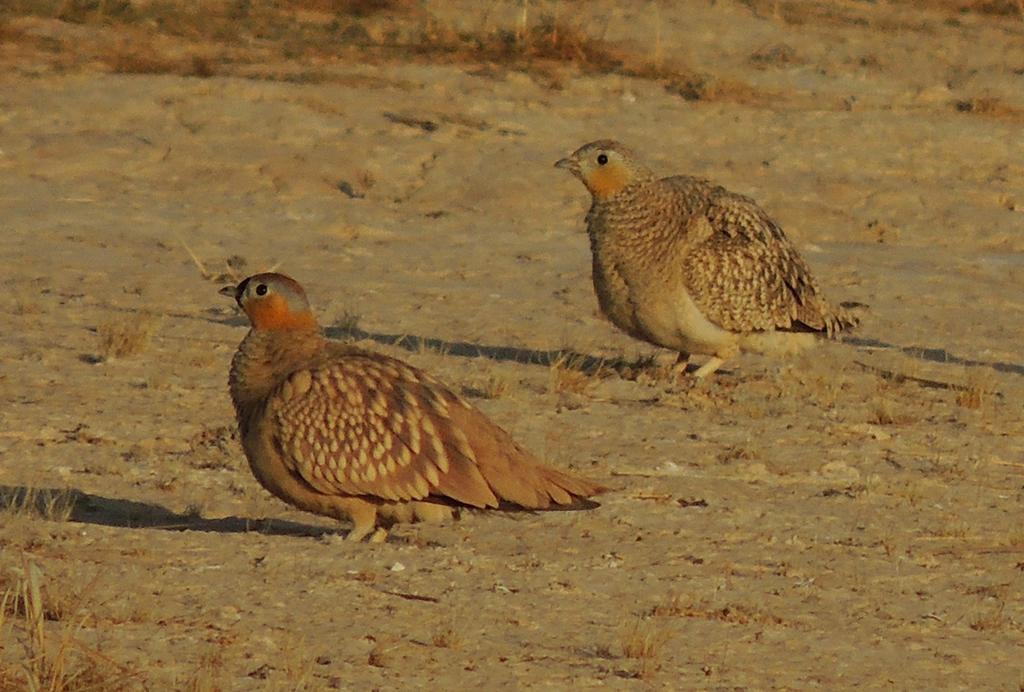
point(687, 265)
point(348, 433)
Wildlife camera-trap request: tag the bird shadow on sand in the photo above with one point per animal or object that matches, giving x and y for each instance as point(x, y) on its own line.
point(583, 362)
point(935, 355)
point(77, 506)
point(628, 368)
point(511, 354)
point(593, 364)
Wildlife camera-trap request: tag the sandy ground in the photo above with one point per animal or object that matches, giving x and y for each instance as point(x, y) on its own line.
point(849, 517)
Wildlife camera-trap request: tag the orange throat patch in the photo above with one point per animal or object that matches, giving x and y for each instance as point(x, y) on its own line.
point(608, 181)
point(272, 313)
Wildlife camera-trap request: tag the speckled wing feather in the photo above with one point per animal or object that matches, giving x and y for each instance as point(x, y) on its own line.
point(743, 272)
point(366, 424)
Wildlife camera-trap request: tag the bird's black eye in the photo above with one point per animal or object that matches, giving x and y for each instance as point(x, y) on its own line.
point(261, 290)
point(602, 159)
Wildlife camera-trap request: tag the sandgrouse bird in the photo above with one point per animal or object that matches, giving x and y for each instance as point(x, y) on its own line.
point(687, 265)
point(336, 430)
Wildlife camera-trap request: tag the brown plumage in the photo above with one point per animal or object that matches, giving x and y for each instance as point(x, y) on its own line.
point(337, 430)
point(688, 265)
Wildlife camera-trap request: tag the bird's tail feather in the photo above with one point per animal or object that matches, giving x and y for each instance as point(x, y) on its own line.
point(844, 318)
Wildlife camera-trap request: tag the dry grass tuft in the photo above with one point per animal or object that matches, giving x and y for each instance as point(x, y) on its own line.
point(992, 621)
point(738, 453)
point(446, 637)
point(58, 663)
point(85, 11)
point(134, 59)
point(883, 406)
point(569, 374)
point(973, 398)
point(736, 613)
point(674, 607)
point(776, 55)
point(800, 12)
point(25, 307)
point(882, 232)
point(428, 347)
point(124, 337)
point(236, 267)
point(357, 8)
point(210, 674)
point(556, 41)
point(52, 505)
point(706, 87)
point(525, 47)
point(157, 37)
point(488, 387)
point(883, 412)
point(536, 48)
point(644, 369)
point(978, 391)
point(643, 641)
point(996, 8)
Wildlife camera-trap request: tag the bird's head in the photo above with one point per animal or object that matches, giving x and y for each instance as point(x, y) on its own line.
point(606, 168)
point(273, 301)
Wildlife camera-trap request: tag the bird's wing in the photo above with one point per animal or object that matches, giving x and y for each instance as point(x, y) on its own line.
point(366, 424)
point(744, 273)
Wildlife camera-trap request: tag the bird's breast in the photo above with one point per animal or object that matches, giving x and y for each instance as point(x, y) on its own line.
point(613, 293)
point(672, 319)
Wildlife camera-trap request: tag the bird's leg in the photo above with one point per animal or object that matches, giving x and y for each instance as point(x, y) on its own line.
point(682, 361)
point(431, 512)
point(363, 515)
point(713, 363)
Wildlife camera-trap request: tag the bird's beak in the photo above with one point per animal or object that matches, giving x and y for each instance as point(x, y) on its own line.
point(568, 164)
point(230, 292)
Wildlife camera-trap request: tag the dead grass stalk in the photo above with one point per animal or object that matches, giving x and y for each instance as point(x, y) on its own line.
point(60, 663)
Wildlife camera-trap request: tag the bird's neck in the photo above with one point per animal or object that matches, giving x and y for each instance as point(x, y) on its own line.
point(608, 184)
point(636, 221)
point(629, 210)
point(625, 197)
point(266, 357)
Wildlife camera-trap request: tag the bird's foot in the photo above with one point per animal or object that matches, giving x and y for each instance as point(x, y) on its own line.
point(363, 515)
point(712, 364)
point(680, 366)
point(358, 533)
point(372, 534)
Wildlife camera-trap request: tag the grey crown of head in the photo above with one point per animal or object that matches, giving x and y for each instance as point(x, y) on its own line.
point(606, 145)
point(285, 286)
